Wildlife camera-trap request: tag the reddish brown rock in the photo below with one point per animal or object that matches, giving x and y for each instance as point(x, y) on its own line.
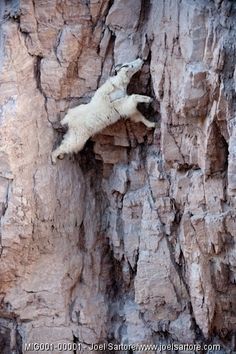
point(132, 240)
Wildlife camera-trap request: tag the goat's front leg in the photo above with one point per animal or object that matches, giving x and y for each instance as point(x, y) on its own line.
point(138, 117)
point(127, 106)
point(141, 98)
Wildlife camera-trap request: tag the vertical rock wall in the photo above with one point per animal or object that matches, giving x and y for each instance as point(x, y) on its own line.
point(133, 240)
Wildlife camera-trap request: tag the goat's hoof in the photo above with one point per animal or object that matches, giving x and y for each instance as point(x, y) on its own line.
point(61, 156)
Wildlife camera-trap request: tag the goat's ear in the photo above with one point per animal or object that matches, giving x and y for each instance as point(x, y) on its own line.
point(114, 71)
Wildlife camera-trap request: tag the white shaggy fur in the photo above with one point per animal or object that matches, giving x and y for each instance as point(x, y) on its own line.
point(109, 103)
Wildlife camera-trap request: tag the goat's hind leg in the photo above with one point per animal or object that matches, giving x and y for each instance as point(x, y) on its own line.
point(58, 153)
point(70, 143)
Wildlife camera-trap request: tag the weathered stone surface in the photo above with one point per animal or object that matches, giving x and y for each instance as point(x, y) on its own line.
point(133, 240)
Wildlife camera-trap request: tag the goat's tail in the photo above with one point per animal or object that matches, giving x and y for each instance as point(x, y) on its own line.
point(69, 116)
point(65, 120)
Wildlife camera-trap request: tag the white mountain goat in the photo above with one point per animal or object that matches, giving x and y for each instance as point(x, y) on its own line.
point(109, 103)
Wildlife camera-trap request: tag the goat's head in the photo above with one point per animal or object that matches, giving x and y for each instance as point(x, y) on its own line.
point(129, 69)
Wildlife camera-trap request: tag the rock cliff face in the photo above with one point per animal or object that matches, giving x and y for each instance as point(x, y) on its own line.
point(133, 239)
